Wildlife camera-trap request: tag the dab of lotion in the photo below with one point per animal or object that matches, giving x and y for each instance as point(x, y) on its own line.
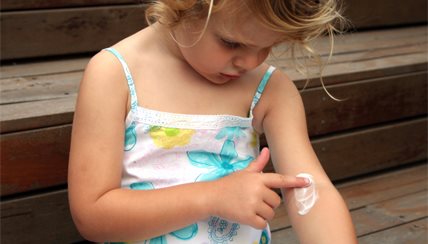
point(306, 196)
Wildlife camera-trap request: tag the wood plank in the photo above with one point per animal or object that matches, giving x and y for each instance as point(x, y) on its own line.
point(7, 5)
point(43, 218)
point(367, 41)
point(34, 215)
point(365, 69)
point(27, 160)
point(63, 85)
point(370, 190)
point(387, 214)
point(34, 159)
point(377, 148)
point(395, 97)
point(39, 68)
point(367, 102)
point(413, 232)
point(377, 218)
point(374, 217)
point(349, 47)
point(39, 88)
point(382, 13)
point(37, 114)
point(67, 31)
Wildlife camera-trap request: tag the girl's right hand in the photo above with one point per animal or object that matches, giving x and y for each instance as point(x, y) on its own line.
point(247, 197)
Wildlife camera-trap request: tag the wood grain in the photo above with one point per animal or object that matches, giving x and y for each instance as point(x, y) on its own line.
point(382, 207)
point(370, 190)
point(34, 159)
point(29, 163)
point(373, 149)
point(7, 5)
point(44, 218)
point(67, 31)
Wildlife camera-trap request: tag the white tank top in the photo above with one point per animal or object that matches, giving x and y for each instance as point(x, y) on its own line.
point(166, 149)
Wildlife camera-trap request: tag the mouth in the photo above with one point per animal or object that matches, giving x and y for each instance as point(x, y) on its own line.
point(230, 76)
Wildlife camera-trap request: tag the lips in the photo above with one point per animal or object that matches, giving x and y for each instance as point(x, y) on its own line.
point(230, 76)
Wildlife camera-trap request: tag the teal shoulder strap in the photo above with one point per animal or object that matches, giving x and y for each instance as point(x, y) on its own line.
point(261, 88)
point(132, 91)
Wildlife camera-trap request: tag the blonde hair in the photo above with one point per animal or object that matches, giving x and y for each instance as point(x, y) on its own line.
point(301, 21)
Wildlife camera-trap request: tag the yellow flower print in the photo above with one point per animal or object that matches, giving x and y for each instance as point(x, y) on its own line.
point(254, 139)
point(170, 137)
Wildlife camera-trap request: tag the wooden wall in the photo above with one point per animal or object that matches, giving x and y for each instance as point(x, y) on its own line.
point(39, 28)
point(48, 28)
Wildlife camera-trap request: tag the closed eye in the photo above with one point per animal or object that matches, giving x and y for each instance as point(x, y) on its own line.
point(230, 44)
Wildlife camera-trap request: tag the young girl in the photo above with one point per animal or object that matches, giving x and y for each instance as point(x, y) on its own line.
point(165, 137)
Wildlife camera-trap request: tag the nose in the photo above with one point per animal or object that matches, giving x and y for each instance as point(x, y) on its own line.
point(250, 60)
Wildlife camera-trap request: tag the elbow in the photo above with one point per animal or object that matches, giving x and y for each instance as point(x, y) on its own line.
point(87, 223)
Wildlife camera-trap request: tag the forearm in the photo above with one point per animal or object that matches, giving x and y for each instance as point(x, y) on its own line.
point(327, 222)
point(126, 215)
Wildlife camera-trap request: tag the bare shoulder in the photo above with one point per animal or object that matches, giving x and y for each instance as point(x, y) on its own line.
point(104, 79)
point(281, 99)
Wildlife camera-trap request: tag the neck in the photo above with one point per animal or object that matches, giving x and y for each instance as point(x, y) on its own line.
point(165, 41)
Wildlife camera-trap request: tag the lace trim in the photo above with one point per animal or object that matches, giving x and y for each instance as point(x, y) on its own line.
point(186, 121)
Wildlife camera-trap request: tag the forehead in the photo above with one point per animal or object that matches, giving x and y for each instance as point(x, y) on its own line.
point(244, 27)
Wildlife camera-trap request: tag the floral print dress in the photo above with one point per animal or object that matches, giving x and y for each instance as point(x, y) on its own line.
point(166, 149)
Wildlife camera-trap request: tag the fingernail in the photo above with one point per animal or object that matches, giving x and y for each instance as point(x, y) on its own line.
point(306, 180)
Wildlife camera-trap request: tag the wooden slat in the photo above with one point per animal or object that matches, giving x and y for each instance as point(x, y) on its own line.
point(382, 13)
point(371, 190)
point(394, 97)
point(367, 102)
point(29, 163)
point(413, 232)
point(43, 68)
point(7, 5)
point(67, 31)
point(37, 114)
point(34, 159)
point(44, 218)
point(364, 69)
point(372, 149)
point(348, 48)
point(362, 44)
point(26, 219)
point(390, 213)
point(376, 218)
point(39, 88)
point(337, 73)
point(376, 203)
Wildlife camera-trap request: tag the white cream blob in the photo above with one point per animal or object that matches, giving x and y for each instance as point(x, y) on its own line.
point(306, 197)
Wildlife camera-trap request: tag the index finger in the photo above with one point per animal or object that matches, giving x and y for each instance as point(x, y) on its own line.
point(273, 180)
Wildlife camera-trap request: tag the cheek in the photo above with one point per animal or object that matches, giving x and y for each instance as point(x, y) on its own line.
point(263, 55)
point(210, 57)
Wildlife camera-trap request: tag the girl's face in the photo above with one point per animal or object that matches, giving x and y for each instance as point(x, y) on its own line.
point(229, 48)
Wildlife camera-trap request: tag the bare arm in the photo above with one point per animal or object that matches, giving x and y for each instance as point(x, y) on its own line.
point(284, 125)
point(103, 211)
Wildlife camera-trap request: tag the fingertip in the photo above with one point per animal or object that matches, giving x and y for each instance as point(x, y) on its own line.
point(261, 223)
point(304, 181)
point(264, 150)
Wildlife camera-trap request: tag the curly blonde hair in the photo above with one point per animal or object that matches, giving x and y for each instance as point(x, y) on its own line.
point(300, 21)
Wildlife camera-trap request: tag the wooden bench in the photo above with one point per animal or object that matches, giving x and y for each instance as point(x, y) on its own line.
point(381, 126)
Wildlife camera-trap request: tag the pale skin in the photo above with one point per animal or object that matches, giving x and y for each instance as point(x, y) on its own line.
point(103, 211)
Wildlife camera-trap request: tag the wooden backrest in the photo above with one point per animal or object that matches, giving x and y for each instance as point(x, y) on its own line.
point(40, 28)
point(47, 28)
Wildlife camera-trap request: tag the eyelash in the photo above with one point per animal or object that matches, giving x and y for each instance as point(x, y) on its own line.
point(230, 44)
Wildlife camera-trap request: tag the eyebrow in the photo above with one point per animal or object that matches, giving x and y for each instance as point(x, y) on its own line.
point(244, 43)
